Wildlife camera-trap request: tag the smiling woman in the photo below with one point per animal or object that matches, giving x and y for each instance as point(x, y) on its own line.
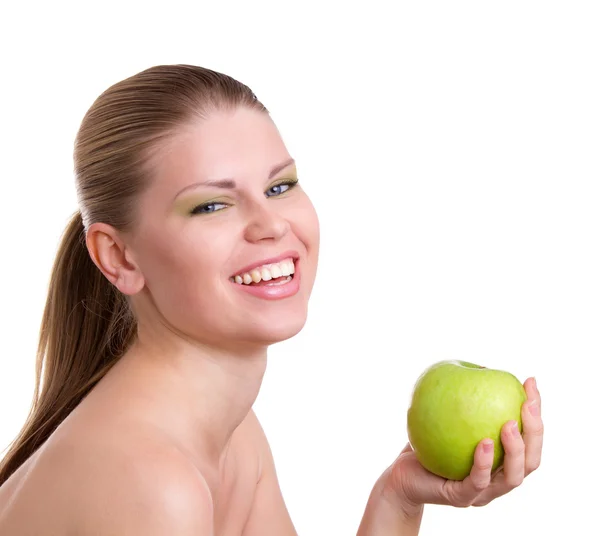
point(194, 249)
point(179, 270)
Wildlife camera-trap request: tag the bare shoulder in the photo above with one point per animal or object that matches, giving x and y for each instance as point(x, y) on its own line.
point(102, 486)
point(156, 492)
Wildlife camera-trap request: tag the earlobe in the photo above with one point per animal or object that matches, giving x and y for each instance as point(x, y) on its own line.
point(129, 282)
point(108, 252)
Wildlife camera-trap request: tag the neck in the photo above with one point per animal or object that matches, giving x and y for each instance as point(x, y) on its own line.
point(197, 394)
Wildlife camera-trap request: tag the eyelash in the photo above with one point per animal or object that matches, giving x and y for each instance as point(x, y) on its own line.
point(198, 208)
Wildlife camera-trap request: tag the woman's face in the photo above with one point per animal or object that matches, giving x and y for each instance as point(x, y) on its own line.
point(225, 202)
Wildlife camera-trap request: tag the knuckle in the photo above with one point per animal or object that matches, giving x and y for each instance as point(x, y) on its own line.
point(541, 428)
point(479, 484)
point(516, 449)
point(462, 503)
point(458, 499)
point(518, 452)
point(484, 467)
point(537, 429)
point(513, 481)
point(481, 472)
point(532, 465)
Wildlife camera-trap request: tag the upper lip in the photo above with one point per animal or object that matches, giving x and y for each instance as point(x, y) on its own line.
point(286, 255)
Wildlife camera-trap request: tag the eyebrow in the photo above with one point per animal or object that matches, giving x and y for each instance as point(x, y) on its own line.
point(230, 183)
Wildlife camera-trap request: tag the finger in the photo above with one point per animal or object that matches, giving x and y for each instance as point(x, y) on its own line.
point(533, 431)
point(514, 457)
point(464, 493)
point(532, 391)
point(405, 451)
point(407, 448)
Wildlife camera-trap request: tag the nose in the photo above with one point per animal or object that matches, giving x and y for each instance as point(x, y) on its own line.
point(265, 223)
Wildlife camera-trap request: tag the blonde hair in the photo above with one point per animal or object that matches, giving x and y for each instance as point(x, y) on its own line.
point(87, 323)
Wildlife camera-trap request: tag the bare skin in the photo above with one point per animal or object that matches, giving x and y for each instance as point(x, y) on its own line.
point(90, 449)
point(167, 442)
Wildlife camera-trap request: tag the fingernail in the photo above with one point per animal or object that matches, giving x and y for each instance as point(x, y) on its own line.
point(534, 408)
point(535, 383)
point(488, 446)
point(515, 429)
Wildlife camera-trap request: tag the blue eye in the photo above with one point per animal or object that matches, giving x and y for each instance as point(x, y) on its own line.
point(207, 208)
point(278, 189)
point(273, 191)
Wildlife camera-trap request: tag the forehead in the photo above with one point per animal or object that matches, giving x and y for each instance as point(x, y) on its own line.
point(239, 144)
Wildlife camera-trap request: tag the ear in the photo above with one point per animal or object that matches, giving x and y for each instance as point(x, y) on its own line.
point(112, 257)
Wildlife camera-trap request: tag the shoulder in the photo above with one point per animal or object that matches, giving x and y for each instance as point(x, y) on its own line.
point(153, 490)
point(159, 498)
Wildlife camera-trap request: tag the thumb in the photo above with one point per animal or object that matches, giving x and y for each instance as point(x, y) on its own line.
point(407, 448)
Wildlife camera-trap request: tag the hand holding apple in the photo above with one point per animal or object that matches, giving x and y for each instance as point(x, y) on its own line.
point(408, 485)
point(454, 406)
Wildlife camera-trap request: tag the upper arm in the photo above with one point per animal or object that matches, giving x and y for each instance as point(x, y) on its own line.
point(269, 515)
point(160, 499)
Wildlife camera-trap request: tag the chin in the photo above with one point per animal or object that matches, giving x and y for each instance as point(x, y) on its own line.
point(285, 328)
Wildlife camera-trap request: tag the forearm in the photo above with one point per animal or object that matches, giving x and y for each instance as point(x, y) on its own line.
point(384, 517)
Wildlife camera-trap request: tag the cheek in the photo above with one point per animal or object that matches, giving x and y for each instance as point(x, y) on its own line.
point(178, 267)
point(307, 227)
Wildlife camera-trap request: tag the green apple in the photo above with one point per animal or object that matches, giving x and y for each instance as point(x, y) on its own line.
point(454, 406)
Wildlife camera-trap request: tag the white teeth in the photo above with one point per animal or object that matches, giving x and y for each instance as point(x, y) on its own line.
point(276, 271)
point(267, 272)
point(283, 282)
point(285, 268)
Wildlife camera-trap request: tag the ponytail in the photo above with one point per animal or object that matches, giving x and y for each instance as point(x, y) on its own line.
point(86, 327)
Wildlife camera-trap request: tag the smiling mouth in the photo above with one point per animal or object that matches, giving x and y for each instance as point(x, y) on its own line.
point(278, 273)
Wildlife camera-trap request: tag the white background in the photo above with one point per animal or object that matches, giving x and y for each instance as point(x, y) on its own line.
point(452, 152)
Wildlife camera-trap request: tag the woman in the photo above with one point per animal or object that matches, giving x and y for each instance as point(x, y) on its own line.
point(194, 249)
